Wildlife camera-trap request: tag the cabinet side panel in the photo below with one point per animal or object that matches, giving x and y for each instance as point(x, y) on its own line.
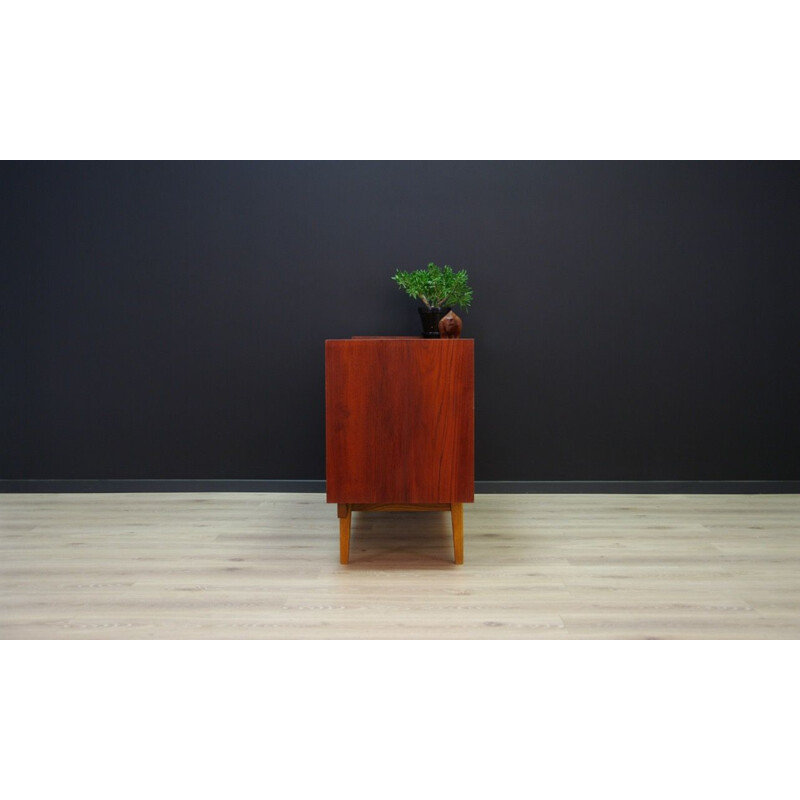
point(399, 421)
point(457, 470)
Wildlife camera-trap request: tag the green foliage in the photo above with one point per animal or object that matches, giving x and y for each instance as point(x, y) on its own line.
point(436, 286)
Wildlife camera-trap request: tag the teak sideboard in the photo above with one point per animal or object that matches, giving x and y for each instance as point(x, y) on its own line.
point(399, 415)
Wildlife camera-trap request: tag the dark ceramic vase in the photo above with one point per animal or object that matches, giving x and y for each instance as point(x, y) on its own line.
point(430, 320)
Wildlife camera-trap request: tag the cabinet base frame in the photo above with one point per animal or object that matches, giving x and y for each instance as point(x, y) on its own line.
point(345, 510)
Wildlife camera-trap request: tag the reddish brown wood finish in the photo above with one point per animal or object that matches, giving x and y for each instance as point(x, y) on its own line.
point(400, 420)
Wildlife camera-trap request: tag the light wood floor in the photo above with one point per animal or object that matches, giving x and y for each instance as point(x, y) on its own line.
point(248, 565)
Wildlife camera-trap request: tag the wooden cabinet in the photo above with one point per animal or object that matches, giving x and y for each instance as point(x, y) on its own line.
point(399, 427)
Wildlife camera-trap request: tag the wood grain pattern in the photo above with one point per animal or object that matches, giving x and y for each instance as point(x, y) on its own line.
point(345, 514)
point(457, 519)
point(401, 507)
point(399, 420)
point(263, 566)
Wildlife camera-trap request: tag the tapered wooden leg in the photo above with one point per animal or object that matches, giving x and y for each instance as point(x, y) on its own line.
point(457, 513)
point(344, 512)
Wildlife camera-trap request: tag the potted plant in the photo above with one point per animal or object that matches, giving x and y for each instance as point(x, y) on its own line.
point(439, 288)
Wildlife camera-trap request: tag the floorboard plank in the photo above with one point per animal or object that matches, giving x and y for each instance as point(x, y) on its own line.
point(250, 565)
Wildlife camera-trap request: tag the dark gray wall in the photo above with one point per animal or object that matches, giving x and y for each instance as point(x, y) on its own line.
point(633, 321)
